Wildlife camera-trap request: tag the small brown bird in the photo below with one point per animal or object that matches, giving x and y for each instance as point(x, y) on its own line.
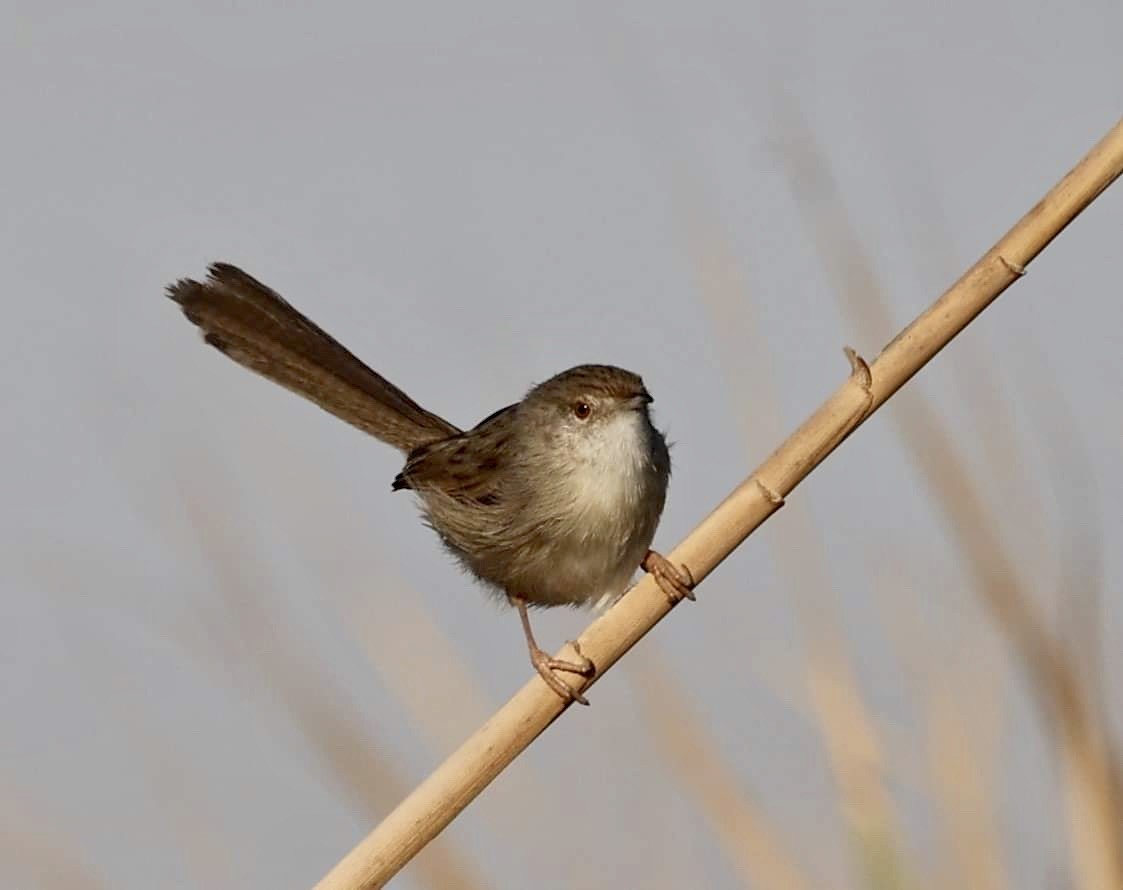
point(550, 501)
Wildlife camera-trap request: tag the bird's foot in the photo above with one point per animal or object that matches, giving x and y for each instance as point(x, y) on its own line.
point(546, 665)
point(676, 582)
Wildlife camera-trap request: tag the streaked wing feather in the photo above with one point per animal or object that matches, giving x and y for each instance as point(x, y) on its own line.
point(467, 467)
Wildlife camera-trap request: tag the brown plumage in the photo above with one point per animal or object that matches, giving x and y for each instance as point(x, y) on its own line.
point(252, 324)
point(550, 501)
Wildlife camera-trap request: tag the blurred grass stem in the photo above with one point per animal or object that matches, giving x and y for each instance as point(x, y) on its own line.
point(454, 784)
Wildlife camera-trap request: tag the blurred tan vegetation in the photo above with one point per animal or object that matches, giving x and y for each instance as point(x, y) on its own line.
point(963, 689)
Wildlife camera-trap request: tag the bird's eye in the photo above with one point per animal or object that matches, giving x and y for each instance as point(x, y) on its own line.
point(582, 410)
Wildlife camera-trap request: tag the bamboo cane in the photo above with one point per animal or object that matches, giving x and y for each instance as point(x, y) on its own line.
point(454, 784)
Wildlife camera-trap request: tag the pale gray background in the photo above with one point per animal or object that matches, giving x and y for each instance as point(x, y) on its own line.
point(474, 196)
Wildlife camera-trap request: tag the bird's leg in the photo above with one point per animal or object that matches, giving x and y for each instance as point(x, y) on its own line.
point(546, 665)
point(675, 582)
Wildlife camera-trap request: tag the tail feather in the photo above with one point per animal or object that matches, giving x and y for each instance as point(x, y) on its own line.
point(257, 328)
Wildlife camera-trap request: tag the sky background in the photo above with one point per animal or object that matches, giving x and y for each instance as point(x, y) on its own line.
point(227, 650)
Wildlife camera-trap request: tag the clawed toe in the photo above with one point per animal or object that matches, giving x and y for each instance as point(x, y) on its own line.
point(675, 582)
point(584, 667)
point(545, 665)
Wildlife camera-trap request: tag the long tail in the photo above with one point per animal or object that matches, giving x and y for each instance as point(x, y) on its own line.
point(253, 325)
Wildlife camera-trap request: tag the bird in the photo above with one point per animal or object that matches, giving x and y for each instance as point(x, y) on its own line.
point(551, 501)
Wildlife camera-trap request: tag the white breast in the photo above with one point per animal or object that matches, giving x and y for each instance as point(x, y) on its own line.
point(611, 471)
point(614, 490)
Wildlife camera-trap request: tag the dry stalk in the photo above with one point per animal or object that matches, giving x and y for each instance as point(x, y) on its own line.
point(1089, 775)
point(335, 735)
point(754, 845)
point(961, 779)
point(959, 753)
point(454, 784)
point(849, 733)
point(35, 853)
point(855, 752)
